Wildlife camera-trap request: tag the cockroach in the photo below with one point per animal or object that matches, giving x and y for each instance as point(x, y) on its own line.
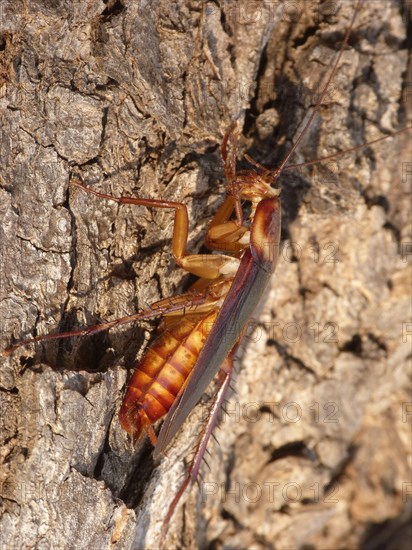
point(190, 349)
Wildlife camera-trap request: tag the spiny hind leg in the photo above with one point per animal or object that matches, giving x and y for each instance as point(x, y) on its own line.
point(176, 305)
point(224, 379)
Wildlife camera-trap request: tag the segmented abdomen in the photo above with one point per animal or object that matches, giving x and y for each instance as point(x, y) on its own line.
point(162, 371)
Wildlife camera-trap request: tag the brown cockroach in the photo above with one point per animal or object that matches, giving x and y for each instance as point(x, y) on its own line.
point(190, 350)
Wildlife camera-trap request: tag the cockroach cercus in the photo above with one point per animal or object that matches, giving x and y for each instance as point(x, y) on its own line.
point(190, 350)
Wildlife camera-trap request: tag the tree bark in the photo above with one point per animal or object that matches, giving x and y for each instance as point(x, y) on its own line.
point(133, 98)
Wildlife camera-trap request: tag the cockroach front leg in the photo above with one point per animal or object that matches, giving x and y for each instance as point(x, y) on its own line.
point(225, 234)
point(230, 157)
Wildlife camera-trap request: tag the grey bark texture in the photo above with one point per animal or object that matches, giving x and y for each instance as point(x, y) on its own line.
point(133, 98)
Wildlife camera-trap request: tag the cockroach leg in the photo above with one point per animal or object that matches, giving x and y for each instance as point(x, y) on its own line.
point(230, 158)
point(188, 302)
point(207, 266)
point(224, 234)
point(224, 379)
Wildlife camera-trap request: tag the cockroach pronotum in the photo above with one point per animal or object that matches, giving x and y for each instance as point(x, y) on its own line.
point(190, 351)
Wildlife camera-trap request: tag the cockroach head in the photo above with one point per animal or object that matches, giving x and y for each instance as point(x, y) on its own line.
point(251, 186)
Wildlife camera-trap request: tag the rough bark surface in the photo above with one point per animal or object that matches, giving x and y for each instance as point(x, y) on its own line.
point(134, 98)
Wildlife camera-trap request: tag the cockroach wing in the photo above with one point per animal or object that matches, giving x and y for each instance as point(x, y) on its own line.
point(248, 286)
